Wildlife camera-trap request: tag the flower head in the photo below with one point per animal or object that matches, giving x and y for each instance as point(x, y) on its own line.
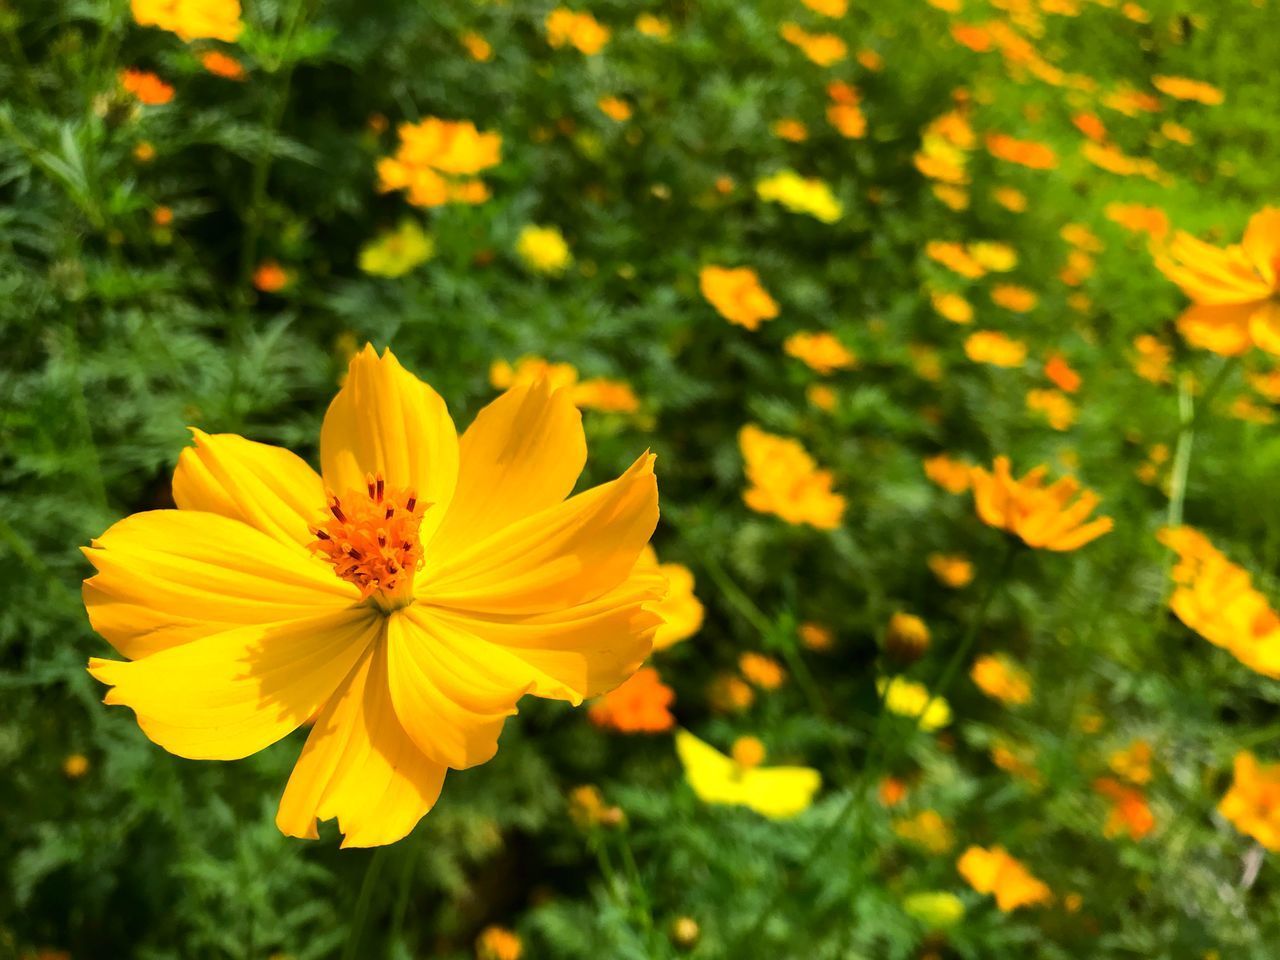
point(1184, 88)
point(146, 87)
point(1129, 812)
point(822, 352)
point(798, 194)
point(787, 482)
point(640, 705)
point(1000, 678)
point(543, 249)
point(581, 31)
point(824, 49)
point(222, 65)
point(1047, 518)
point(995, 348)
point(952, 570)
point(907, 698)
point(436, 162)
point(191, 19)
point(994, 871)
point(397, 252)
point(778, 792)
point(737, 295)
point(1252, 805)
point(406, 597)
point(681, 610)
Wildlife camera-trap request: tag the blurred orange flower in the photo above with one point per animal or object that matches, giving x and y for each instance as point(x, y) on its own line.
point(737, 295)
point(785, 481)
point(953, 570)
point(764, 672)
point(1252, 805)
point(824, 49)
point(995, 348)
point(1060, 372)
point(1184, 88)
point(1001, 678)
point(640, 705)
point(1129, 812)
point(434, 159)
point(581, 31)
point(270, 277)
point(1013, 297)
point(1048, 518)
point(791, 129)
point(222, 65)
point(1056, 407)
point(951, 475)
point(994, 871)
point(1138, 218)
point(1026, 153)
point(822, 351)
point(146, 87)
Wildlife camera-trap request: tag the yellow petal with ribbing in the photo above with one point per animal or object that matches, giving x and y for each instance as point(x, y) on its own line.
point(1261, 244)
point(232, 694)
point(1219, 328)
point(522, 454)
point(267, 487)
point(386, 421)
point(360, 766)
point(563, 556)
point(167, 577)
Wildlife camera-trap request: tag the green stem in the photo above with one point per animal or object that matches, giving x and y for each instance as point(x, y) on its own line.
point(360, 916)
point(1182, 454)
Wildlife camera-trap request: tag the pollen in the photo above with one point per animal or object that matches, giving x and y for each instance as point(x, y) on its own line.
point(371, 538)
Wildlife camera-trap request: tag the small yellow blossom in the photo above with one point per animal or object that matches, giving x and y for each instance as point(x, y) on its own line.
point(1000, 678)
point(994, 871)
point(1049, 518)
point(952, 570)
point(581, 31)
point(785, 481)
point(737, 295)
point(822, 352)
point(395, 253)
point(906, 698)
point(995, 348)
point(543, 249)
point(800, 195)
point(776, 792)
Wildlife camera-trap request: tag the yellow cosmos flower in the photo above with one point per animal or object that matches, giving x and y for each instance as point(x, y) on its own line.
point(395, 253)
point(1114, 160)
point(1011, 198)
point(998, 257)
point(777, 792)
point(581, 31)
point(477, 47)
point(951, 306)
point(498, 943)
point(953, 476)
point(995, 348)
point(824, 49)
point(543, 249)
point(1013, 297)
point(1137, 218)
point(955, 257)
point(1152, 358)
point(607, 396)
point(1000, 678)
point(786, 481)
point(1047, 518)
point(1252, 805)
point(653, 26)
point(406, 597)
point(1132, 762)
point(1184, 88)
point(936, 909)
point(828, 8)
point(800, 195)
point(926, 829)
point(681, 610)
point(615, 108)
point(737, 295)
point(191, 19)
point(1055, 406)
point(1235, 291)
point(907, 698)
point(822, 352)
point(434, 160)
point(994, 871)
point(953, 570)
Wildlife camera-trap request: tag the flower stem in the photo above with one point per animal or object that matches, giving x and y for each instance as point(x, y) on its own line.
point(364, 901)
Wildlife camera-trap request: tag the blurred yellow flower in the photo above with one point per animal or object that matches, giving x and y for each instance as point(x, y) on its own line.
point(191, 19)
point(737, 295)
point(995, 348)
point(1184, 88)
point(907, 698)
point(1235, 291)
point(543, 249)
point(681, 611)
point(1000, 678)
point(801, 195)
point(953, 476)
point(434, 159)
point(1114, 160)
point(615, 108)
point(1252, 804)
point(999, 257)
point(955, 257)
point(498, 943)
point(906, 638)
point(791, 129)
point(1055, 406)
point(936, 909)
point(477, 47)
point(821, 351)
point(815, 636)
point(824, 49)
point(952, 570)
point(761, 671)
point(1026, 153)
point(926, 829)
point(1133, 762)
point(821, 395)
point(405, 615)
point(1013, 297)
point(993, 870)
point(785, 481)
point(777, 792)
point(653, 26)
point(1152, 358)
point(1011, 198)
point(1048, 518)
point(606, 396)
point(951, 306)
point(581, 31)
point(1137, 218)
point(395, 253)
point(828, 8)
point(75, 766)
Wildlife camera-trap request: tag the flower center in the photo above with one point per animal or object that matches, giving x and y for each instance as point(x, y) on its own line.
point(371, 538)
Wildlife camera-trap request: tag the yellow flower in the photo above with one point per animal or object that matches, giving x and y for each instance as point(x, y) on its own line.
point(828, 8)
point(1002, 679)
point(434, 160)
point(937, 910)
point(815, 636)
point(950, 474)
point(926, 829)
point(528, 370)
point(1235, 291)
point(1011, 198)
point(606, 396)
point(652, 26)
point(821, 396)
point(405, 598)
point(191, 19)
point(477, 47)
point(1026, 153)
point(993, 347)
point(1047, 518)
point(951, 306)
point(615, 108)
point(777, 792)
point(579, 30)
point(786, 481)
point(1252, 805)
point(1133, 762)
point(1137, 218)
point(1013, 297)
point(1183, 88)
point(1152, 358)
point(543, 249)
point(395, 253)
point(822, 352)
point(75, 766)
point(498, 943)
point(761, 671)
point(801, 195)
point(790, 129)
point(907, 698)
point(1055, 405)
point(955, 257)
point(994, 871)
point(999, 257)
point(680, 609)
point(952, 570)
point(737, 295)
point(824, 49)
point(907, 637)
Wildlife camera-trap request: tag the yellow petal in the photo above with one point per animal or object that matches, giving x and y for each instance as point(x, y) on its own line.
point(385, 420)
point(226, 696)
point(712, 775)
point(167, 577)
point(451, 690)
point(565, 555)
point(264, 486)
point(1264, 326)
point(360, 766)
point(1262, 243)
point(522, 454)
point(1220, 328)
point(780, 792)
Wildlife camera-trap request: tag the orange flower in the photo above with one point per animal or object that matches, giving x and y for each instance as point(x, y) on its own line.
point(1133, 763)
point(765, 672)
point(822, 396)
point(1048, 518)
point(815, 636)
point(640, 705)
point(1177, 133)
point(951, 475)
point(786, 481)
point(222, 65)
point(1090, 126)
point(791, 129)
point(993, 347)
point(1114, 160)
point(1252, 804)
point(870, 60)
point(737, 295)
point(606, 396)
point(1059, 371)
point(1013, 297)
point(1184, 88)
point(1129, 810)
point(976, 38)
point(191, 19)
point(498, 943)
point(477, 47)
point(1235, 291)
point(1152, 358)
point(581, 31)
point(270, 277)
point(828, 8)
point(926, 829)
point(824, 49)
point(955, 257)
point(845, 110)
point(952, 570)
point(1000, 678)
point(146, 87)
point(1026, 153)
point(615, 108)
point(1012, 199)
point(434, 159)
point(823, 352)
point(995, 871)
point(951, 306)
point(1056, 407)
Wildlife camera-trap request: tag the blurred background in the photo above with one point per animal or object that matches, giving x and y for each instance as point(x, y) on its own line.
point(205, 209)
